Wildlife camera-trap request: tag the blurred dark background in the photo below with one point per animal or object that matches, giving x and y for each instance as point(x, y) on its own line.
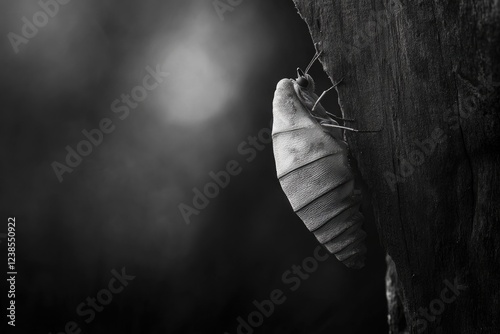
point(120, 206)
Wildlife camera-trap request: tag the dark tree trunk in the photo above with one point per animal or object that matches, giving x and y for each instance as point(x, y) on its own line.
point(428, 71)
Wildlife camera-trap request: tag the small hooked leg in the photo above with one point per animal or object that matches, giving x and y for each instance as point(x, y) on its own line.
point(346, 128)
point(330, 114)
point(324, 93)
point(327, 123)
point(340, 118)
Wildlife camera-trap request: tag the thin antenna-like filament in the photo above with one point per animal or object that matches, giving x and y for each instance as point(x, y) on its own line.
point(316, 56)
point(340, 118)
point(346, 128)
point(323, 94)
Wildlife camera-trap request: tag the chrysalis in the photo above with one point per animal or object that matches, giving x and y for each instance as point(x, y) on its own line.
point(313, 169)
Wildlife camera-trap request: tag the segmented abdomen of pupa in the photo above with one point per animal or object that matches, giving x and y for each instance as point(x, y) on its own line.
point(313, 170)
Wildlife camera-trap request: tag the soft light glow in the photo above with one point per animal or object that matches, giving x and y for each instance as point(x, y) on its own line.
point(198, 87)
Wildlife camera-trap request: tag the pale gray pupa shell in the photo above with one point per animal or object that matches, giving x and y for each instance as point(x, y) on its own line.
point(314, 172)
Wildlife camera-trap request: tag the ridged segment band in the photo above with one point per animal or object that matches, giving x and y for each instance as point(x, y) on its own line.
point(314, 172)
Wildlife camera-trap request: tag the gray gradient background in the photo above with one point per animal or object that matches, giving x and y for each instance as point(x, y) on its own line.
point(119, 208)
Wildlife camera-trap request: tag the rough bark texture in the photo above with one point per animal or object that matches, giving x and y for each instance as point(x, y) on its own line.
point(428, 71)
